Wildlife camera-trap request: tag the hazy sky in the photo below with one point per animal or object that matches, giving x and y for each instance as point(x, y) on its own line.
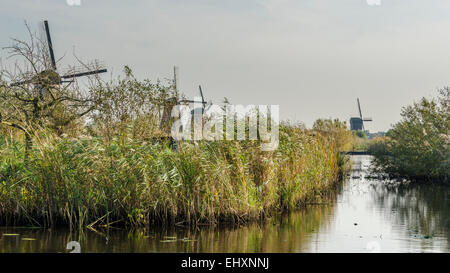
point(312, 57)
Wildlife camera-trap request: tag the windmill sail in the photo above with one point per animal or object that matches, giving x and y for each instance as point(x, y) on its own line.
point(86, 73)
point(50, 45)
point(359, 108)
point(357, 122)
point(175, 80)
point(361, 118)
point(194, 101)
point(92, 68)
point(201, 94)
point(20, 83)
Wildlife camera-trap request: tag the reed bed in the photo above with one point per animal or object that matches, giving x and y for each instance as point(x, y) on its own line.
point(93, 182)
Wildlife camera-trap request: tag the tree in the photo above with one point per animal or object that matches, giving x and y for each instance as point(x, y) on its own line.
point(129, 105)
point(40, 100)
point(418, 145)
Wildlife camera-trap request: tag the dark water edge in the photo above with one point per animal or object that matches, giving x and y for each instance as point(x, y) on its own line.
point(363, 215)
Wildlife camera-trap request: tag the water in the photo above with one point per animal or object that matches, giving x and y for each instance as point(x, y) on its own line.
point(363, 215)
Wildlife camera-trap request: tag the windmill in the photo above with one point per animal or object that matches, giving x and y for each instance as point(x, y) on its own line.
point(166, 118)
point(203, 102)
point(50, 76)
point(171, 102)
point(357, 123)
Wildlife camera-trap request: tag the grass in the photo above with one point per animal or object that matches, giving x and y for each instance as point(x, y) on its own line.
point(91, 182)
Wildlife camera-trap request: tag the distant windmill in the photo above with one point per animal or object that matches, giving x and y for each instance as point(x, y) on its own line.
point(357, 123)
point(203, 102)
point(197, 112)
point(186, 101)
point(170, 103)
point(50, 76)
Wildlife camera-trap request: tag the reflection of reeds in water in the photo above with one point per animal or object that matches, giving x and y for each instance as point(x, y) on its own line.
point(423, 208)
point(43, 240)
point(289, 232)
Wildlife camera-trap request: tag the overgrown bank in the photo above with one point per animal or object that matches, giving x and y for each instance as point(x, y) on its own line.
point(85, 155)
point(124, 181)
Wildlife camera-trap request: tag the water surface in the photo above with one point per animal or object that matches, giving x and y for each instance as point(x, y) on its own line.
point(363, 215)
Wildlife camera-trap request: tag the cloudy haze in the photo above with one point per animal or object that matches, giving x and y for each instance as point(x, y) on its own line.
point(312, 57)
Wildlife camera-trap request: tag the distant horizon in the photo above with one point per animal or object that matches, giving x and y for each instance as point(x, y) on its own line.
point(313, 58)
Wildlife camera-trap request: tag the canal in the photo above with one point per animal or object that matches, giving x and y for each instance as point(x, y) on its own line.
point(363, 215)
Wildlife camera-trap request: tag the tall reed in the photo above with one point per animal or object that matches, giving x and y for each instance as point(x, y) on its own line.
point(91, 181)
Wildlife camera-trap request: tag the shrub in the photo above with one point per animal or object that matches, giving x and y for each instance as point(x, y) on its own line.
point(417, 147)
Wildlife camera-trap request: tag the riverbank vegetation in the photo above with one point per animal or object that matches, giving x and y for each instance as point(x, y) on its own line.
point(94, 181)
point(97, 155)
point(110, 171)
point(418, 147)
point(360, 141)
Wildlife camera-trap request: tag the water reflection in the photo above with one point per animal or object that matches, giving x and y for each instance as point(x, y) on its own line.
point(287, 233)
point(361, 213)
point(418, 212)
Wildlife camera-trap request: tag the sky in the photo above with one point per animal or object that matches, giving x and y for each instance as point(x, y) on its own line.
point(311, 57)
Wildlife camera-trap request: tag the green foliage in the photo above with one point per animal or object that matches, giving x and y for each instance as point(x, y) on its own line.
point(418, 146)
point(361, 134)
point(130, 107)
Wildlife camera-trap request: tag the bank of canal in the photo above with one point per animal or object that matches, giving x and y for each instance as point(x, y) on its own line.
point(364, 215)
